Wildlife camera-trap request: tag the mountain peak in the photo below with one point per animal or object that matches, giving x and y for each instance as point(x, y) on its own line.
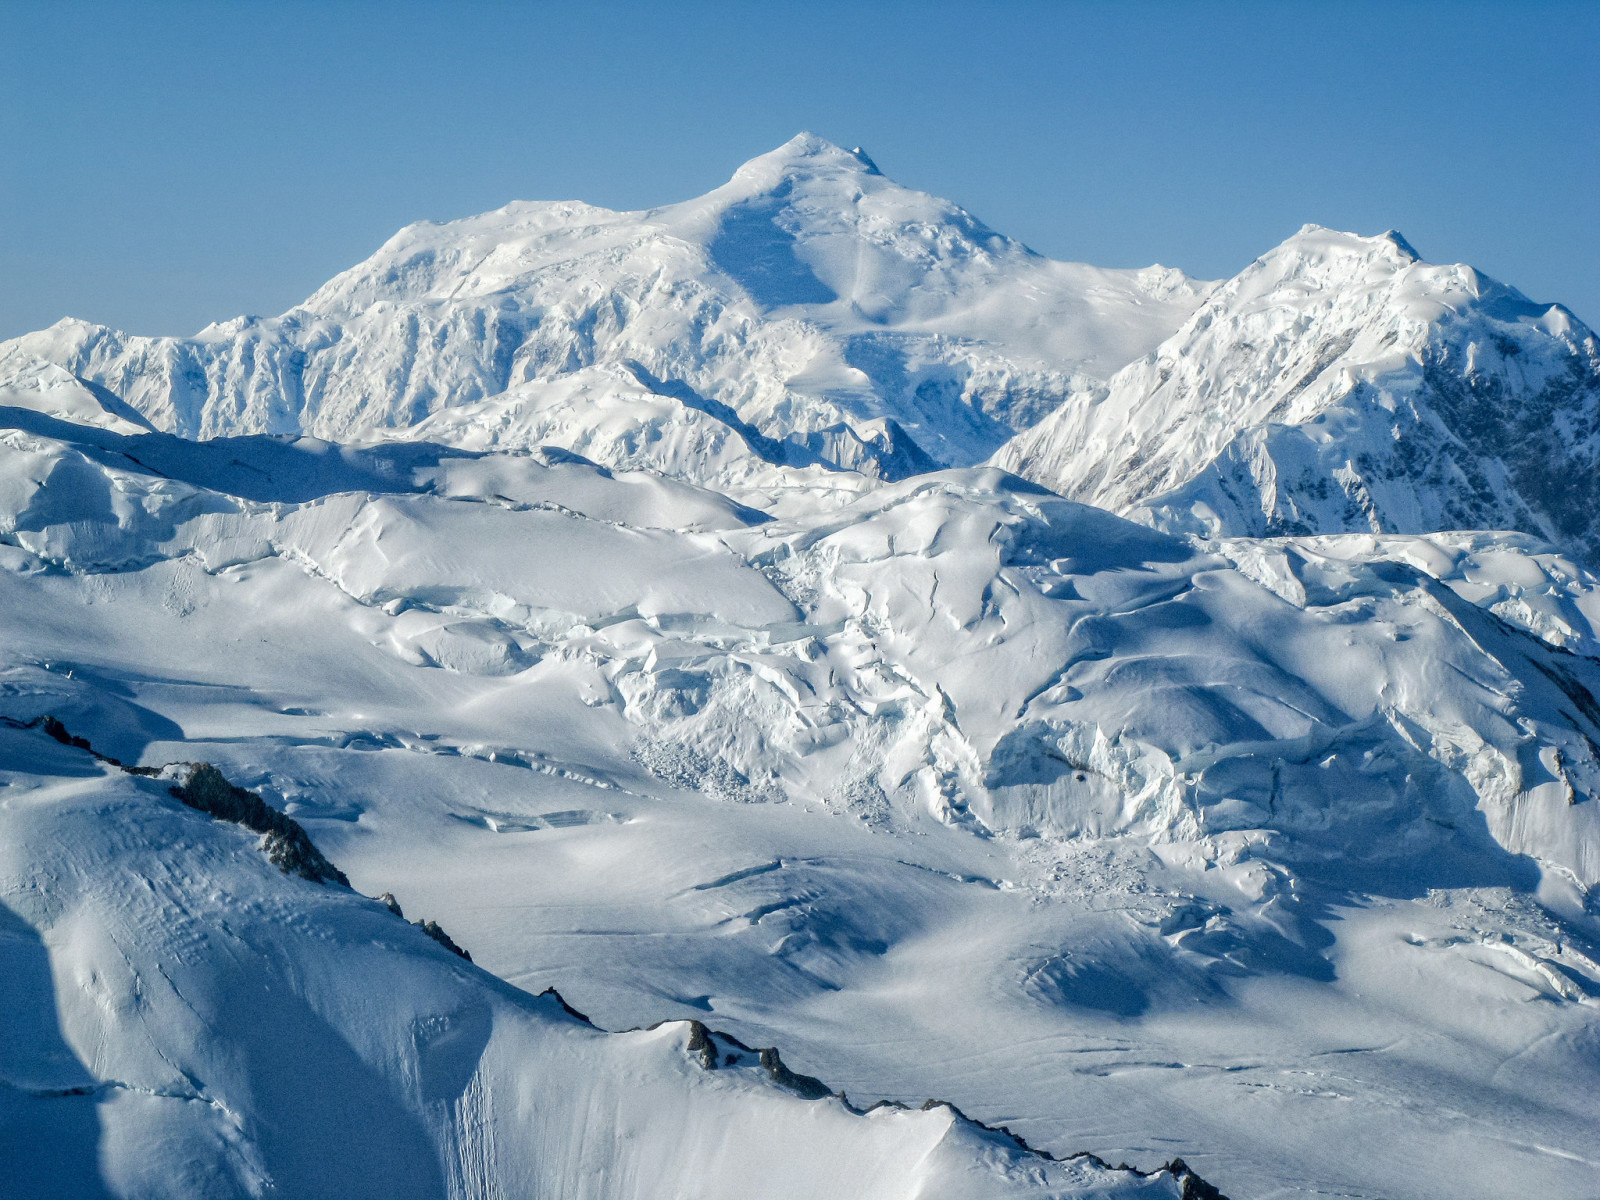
point(1340, 384)
point(806, 154)
point(1320, 243)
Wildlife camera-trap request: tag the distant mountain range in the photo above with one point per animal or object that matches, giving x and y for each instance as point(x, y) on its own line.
point(810, 308)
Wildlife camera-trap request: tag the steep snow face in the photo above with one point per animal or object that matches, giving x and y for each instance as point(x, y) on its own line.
point(1339, 383)
point(39, 386)
point(841, 317)
point(957, 789)
point(182, 1019)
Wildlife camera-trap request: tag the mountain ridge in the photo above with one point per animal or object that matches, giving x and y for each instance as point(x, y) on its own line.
point(1342, 384)
point(810, 294)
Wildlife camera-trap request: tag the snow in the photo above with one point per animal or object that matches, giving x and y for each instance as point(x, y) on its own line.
point(955, 789)
point(588, 582)
point(43, 387)
point(183, 1019)
point(1338, 384)
point(810, 299)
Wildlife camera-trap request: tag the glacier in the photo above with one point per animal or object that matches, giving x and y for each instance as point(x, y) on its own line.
point(804, 618)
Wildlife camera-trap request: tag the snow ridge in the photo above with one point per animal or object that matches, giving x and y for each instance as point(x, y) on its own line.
point(1339, 384)
point(832, 310)
point(368, 1060)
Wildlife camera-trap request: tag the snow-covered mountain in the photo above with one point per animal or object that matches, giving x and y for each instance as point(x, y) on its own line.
point(642, 613)
point(957, 789)
point(810, 309)
point(1340, 383)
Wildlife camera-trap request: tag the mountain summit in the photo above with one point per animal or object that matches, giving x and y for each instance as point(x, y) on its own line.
point(810, 310)
point(1337, 384)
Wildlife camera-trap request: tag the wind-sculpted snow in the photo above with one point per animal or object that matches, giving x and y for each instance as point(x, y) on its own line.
point(1340, 384)
point(955, 643)
point(948, 786)
point(809, 310)
point(181, 1019)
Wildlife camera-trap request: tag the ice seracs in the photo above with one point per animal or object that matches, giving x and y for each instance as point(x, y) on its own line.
point(1340, 383)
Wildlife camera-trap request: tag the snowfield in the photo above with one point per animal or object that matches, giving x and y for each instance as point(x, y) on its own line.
point(627, 594)
point(185, 1020)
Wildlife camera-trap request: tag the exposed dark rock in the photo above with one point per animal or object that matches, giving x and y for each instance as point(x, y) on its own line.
point(431, 928)
point(53, 727)
point(700, 1043)
point(285, 843)
point(804, 1086)
point(1194, 1188)
point(57, 730)
point(567, 1008)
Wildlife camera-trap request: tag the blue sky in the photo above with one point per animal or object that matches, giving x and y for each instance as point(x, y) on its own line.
point(163, 165)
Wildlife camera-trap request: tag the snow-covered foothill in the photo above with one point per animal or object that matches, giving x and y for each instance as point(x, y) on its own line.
point(1341, 384)
point(954, 788)
point(181, 1018)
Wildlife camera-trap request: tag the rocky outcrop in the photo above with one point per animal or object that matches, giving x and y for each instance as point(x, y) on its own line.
point(284, 842)
point(715, 1050)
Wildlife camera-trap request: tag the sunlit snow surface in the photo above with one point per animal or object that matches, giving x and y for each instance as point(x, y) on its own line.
point(1340, 383)
point(633, 631)
point(1271, 856)
point(808, 312)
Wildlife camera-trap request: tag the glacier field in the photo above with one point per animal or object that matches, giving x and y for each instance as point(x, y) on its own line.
point(879, 713)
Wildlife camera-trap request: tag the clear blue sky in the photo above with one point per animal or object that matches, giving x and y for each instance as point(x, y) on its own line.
point(163, 165)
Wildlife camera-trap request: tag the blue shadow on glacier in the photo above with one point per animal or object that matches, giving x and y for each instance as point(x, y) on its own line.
point(260, 467)
point(49, 1102)
point(101, 707)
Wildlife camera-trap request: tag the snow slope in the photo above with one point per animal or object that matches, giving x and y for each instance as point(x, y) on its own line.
point(1341, 384)
point(44, 387)
point(181, 1018)
point(1249, 854)
point(810, 301)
